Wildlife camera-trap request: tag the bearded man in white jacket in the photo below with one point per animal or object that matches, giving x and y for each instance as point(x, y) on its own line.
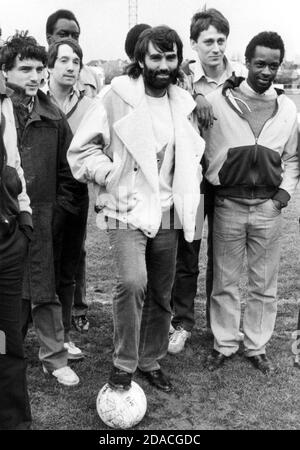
point(144, 152)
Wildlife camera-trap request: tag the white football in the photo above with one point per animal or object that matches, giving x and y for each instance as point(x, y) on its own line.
point(120, 408)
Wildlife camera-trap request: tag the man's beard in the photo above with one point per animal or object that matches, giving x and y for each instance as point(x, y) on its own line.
point(151, 79)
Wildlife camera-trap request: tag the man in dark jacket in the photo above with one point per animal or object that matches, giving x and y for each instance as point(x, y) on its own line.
point(64, 24)
point(43, 136)
point(15, 231)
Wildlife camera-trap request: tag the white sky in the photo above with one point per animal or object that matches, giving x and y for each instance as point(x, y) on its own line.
point(104, 23)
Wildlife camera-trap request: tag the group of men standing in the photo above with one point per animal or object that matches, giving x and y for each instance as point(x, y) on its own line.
point(142, 145)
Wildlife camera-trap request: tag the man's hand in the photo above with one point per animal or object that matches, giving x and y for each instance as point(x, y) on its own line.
point(278, 204)
point(204, 111)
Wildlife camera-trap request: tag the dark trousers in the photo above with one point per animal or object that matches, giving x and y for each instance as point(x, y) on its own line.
point(187, 271)
point(14, 402)
point(69, 249)
point(80, 306)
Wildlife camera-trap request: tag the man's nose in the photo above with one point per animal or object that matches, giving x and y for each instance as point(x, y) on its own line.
point(70, 67)
point(266, 70)
point(216, 47)
point(34, 75)
point(163, 64)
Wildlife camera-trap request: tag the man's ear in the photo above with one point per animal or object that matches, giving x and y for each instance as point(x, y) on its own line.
point(141, 64)
point(247, 63)
point(4, 71)
point(49, 38)
point(193, 44)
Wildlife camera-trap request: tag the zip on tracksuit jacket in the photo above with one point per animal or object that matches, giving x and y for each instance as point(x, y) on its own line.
point(14, 201)
point(241, 165)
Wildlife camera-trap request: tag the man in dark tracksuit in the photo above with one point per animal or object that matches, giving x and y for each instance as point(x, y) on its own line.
point(15, 231)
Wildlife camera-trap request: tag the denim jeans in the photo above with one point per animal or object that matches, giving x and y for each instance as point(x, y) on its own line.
point(141, 304)
point(240, 228)
point(14, 402)
point(187, 271)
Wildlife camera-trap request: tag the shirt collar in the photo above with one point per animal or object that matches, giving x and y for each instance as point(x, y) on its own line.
point(77, 90)
point(30, 105)
point(199, 71)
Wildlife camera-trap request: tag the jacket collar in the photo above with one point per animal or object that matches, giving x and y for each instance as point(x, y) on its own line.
point(135, 128)
point(4, 90)
point(132, 91)
point(44, 107)
point(233, 82)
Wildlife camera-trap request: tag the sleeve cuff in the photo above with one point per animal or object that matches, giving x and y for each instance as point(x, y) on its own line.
point(25, 218)
point(102, 173)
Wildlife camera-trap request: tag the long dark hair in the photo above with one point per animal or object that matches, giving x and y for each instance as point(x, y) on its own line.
point(163, 38)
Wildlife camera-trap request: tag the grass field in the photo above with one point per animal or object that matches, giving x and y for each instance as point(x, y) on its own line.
point(234, 397)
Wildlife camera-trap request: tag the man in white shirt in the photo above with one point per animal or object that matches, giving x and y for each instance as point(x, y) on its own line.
point(144, 154)
point(209, 31)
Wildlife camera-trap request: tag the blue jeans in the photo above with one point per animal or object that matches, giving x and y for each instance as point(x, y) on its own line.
point(240, 228)
point(141, 305)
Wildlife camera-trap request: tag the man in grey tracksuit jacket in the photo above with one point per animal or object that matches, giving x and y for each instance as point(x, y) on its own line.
point(252, 161)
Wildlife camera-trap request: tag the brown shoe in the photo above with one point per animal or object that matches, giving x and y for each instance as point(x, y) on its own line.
point(215, 360)
point(261, 363)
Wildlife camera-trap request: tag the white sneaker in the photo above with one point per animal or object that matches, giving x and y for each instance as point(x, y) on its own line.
point(73, 351)
point(177, 340)
point(64, 375)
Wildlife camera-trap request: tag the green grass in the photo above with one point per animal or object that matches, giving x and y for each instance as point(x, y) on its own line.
point(235, 397)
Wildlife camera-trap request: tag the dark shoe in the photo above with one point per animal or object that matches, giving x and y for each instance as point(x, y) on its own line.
point(80, 323)
point(119, 379)
point(215, 360)
point(261, 363)
point(158, 379)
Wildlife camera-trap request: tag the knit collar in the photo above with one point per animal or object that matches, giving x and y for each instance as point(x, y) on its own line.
point(247, 90)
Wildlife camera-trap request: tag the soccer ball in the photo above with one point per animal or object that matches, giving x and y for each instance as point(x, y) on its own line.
point(120, 408)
